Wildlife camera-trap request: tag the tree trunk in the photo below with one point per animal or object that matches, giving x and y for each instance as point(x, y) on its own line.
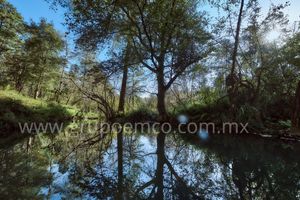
point(19, 86)
point(58, 90)
point(296, 111)
point(237, 36)
point(36, 92)
point(19, 80)
point(232, 79)
point(161, 94)
point(123, 89)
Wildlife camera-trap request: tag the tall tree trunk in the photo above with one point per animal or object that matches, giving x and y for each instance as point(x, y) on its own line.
point(161, 94)
point(296, 111)
point(232, 79)
point(127, 58)
point(123, 89)
point(57, 93)
point(237, 36)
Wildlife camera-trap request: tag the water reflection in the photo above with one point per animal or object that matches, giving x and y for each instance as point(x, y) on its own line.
point(158, 166)
point(23, 170)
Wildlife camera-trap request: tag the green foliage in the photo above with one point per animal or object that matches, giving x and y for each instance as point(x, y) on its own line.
point(213, 112)
point(140, 115)
point(29, 53)
point(285, 124)
point(11, 26)
point(17, 108)
point(169, 39)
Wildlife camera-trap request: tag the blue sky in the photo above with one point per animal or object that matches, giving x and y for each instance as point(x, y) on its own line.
point(36, 9)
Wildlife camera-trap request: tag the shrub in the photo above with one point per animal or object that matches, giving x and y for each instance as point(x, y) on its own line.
point(141, 115)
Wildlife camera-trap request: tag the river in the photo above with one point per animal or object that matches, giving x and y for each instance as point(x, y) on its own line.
point(153, 166)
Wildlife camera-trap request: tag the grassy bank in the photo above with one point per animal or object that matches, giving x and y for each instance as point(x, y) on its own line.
point(16, 108)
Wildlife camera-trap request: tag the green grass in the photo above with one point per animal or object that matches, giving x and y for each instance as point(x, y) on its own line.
point(16, 108)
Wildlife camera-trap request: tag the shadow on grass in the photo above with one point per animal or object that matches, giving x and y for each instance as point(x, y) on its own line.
point(14, 112)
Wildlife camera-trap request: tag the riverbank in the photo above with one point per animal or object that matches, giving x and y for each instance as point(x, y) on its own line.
point(217, 121)
point(16, 108)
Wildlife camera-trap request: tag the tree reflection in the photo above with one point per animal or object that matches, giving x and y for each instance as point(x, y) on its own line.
point(135, 166)
point(22, 171)
point(120, 165)
point(179, 188)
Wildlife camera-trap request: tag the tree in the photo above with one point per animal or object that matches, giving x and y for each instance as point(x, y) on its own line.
point(17, 69)
point(253, 61)
point(43, 46)
point(232, 79)
point(291, 50)
point(11, 27)
point(168, 36)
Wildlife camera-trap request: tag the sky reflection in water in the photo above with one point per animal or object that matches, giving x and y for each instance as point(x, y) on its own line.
point(136, 166)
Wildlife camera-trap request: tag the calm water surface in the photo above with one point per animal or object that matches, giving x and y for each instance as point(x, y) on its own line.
point(157, 166)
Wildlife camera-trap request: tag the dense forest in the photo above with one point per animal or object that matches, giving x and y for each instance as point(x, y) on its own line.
point(151, 61)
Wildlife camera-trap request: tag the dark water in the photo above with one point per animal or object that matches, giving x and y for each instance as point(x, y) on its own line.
point(157, 166)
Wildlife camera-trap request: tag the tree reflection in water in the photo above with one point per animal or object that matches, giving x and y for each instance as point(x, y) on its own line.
point(136, 166)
